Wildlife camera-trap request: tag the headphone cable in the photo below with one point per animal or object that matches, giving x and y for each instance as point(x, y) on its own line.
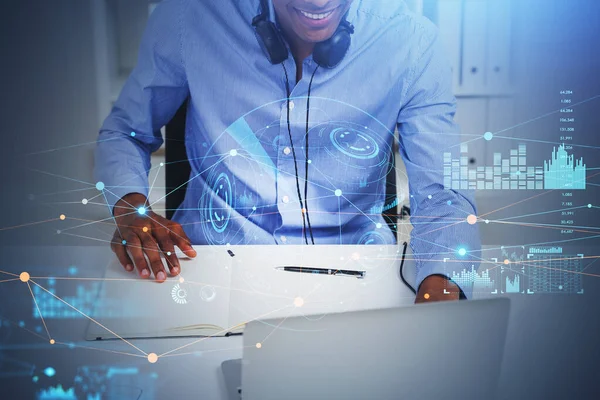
point(287, 87)
point(306, 157)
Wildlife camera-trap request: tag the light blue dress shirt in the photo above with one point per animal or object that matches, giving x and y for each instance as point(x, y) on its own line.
point(242, 188)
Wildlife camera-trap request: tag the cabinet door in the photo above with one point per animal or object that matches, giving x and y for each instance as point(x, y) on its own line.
point(449, 19)
point(471, 115)
point(474, 46)
point(498, 45)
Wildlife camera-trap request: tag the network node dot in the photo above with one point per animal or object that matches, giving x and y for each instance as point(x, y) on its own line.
point(124, 242)
point(430, 197)
point(355, 256)
point(63, 217)
point(426, 296)
point(100, 185)
point(254, 208)
point(24, 277)
point(487, 221)
point(84, 201)
point(152, 358)
point(309, 161)
point(589, 206)
point(488, 136)
point(298, 302)
point(181, 280)
point(258, 345)
point(449, 202)
point(378, 225)
point(462, 251)
point(58, 232)
point(506, 262)
point(52, 341)
point(132, 134)
point(338, 192)
point(233, 153)
point(141, 210)
point(472, 219)
point(162, 164)
point(145, 229)
point(169, 253)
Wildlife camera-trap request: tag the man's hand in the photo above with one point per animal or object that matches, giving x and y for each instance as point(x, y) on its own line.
point(149, 234)
point(433, 287)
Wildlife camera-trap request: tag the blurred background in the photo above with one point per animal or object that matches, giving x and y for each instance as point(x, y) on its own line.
point(525, 74)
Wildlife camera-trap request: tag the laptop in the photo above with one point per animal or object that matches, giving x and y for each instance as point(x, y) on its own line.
point(429, 351)
point(225, 287)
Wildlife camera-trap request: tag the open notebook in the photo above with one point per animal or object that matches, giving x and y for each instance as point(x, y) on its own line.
point(225, 287)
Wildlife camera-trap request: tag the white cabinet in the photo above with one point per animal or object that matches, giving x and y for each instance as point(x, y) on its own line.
point(477, 36)
point(473, 46)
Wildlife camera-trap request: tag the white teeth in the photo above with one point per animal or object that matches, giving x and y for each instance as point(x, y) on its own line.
point(316, 16)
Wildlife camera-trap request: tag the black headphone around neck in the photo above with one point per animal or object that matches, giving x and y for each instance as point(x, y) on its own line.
point(327, 54)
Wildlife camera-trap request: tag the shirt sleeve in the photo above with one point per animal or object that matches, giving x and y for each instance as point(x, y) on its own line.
point(150, 97)
point(427, 130)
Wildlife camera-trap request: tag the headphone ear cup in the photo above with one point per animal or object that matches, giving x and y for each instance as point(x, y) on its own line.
point(331, 52)
point(271, 41)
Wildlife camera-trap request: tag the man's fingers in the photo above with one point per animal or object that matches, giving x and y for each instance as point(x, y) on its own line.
point(168, 249)
point(120, 251)
point(153, 252)
point(182, 241)
point(137, 254)
point(123, 257)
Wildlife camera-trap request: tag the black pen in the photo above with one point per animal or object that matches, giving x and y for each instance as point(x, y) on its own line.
point(323, 271)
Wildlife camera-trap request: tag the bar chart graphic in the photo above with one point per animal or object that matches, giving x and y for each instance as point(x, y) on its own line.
point(561, 171)
point(513, 286)
point(473, 278)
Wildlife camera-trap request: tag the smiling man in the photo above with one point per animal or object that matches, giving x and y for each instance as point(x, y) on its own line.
point(288, 158)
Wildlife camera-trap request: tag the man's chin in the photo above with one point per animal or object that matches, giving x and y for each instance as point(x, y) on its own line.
point(316, 37)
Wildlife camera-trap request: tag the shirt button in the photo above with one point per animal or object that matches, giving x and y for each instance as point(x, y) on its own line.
point(292, 105)
point(285, 199)
point(287, 151)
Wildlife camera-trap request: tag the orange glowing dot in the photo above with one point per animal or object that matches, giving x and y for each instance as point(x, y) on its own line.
point(63, 217)
point(145, 229)
point(472, 219)
point(506, 262)
point(181, 280)
point(304, 211)
point(298, 301)
point(152, 358)
point(52, 341)
point(258, 345)
point(24, 277)
point(426, 296)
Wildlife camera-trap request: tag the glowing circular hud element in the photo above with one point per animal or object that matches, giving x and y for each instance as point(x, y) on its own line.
point(179, 294)
point(372, 237)
point(219, 215)
point(353, 143)
point(208, 293)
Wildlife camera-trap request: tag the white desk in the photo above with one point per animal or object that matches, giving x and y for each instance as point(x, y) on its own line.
point(549, 338)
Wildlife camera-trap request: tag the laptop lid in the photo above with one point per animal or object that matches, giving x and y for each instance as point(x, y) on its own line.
point(431, 351)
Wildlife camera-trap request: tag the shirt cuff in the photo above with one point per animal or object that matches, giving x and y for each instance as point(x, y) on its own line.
point(129, 184)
